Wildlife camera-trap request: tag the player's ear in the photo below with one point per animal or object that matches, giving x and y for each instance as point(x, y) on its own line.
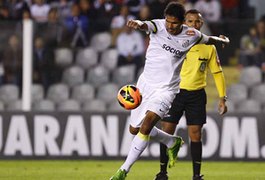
point(202, 22)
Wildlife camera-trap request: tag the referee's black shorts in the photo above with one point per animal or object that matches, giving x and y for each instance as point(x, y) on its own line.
point(193, 103)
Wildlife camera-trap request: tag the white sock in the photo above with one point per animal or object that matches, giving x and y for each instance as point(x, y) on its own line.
point(163, 137)
point(138, 145)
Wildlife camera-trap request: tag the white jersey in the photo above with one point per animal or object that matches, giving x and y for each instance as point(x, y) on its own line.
point(166, 52)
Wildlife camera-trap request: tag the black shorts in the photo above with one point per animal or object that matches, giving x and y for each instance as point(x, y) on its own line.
point(193, 103)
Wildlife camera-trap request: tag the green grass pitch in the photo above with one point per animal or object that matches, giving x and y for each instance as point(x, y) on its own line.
point(142, 170)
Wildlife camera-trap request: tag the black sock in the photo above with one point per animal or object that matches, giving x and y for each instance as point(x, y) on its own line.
point(196, 155)
point(163, 158)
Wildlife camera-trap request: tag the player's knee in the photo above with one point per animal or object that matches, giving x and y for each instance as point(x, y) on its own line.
point(133, 130)
point(195, 137)
point(195, 134)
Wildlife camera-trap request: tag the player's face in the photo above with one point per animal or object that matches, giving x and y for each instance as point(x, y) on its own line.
point(173, 25)
point(194, 20)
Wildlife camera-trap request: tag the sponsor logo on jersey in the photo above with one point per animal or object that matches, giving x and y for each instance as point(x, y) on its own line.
point(203, 66)
point(186, 43)
point(190, 32)
point(177, 53)
point(163, 107)
point(161, 110)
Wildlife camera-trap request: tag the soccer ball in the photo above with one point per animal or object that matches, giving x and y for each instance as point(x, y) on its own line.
point(129, 97)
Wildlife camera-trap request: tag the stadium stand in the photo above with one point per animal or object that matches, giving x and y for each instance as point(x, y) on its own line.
point(73, 76)
point(95, 105)
point(109, 58)
point(69, 105)
point(86, 58)
point(83, 92)
point(58, 93)
point(15, 105)
point(124, 75)
point(249, 106)
point(98, 75)
point(63, 57)
point(86, 69)
point(107, 92)
point(43, 105)
point(257, 93)
point(101, 41)
point(2, 106)
point(231, 106)
point(251, 76)
point(37, 92)
point(9, 93)
point(237, 93)
point(114, 106)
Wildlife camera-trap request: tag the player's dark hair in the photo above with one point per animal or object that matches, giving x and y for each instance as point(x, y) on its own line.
point(176, 10)
point(192, 11)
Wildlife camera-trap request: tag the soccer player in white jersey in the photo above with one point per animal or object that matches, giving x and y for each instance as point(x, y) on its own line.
point(170, 40)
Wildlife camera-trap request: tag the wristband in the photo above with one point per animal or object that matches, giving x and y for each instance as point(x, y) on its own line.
point(224, 98)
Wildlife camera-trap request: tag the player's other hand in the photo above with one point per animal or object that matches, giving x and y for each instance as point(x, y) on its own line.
point(226, 40)
point(222, 108)
point(134, 24)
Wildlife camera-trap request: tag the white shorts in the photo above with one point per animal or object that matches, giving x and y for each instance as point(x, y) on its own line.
point(157, 100)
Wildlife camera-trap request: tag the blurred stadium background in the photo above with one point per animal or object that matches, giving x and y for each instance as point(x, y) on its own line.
point(59, 79)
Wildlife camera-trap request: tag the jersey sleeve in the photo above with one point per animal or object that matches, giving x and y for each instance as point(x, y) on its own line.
point(152, 26)
point(219, 80)
point(199, 38)
point(203, 38)
point(214, 62)
point(216, 70)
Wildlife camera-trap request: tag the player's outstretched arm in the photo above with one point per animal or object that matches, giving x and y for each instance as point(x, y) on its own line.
point(137, 24)
point(214, 40)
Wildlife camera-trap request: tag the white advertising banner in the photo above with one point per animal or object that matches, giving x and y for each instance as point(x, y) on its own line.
point(106, 136)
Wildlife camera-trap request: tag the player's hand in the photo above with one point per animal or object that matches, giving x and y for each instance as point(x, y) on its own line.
point(226, 40)
point(135, 24)
point(222, 108)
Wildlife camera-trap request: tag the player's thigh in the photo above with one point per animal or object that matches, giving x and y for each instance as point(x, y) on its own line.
point(195, 108)
point(149, 122)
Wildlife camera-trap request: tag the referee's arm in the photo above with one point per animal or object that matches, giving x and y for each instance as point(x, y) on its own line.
point(221, 88)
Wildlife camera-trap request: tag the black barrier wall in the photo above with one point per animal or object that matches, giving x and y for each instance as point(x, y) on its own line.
point(106, 136)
